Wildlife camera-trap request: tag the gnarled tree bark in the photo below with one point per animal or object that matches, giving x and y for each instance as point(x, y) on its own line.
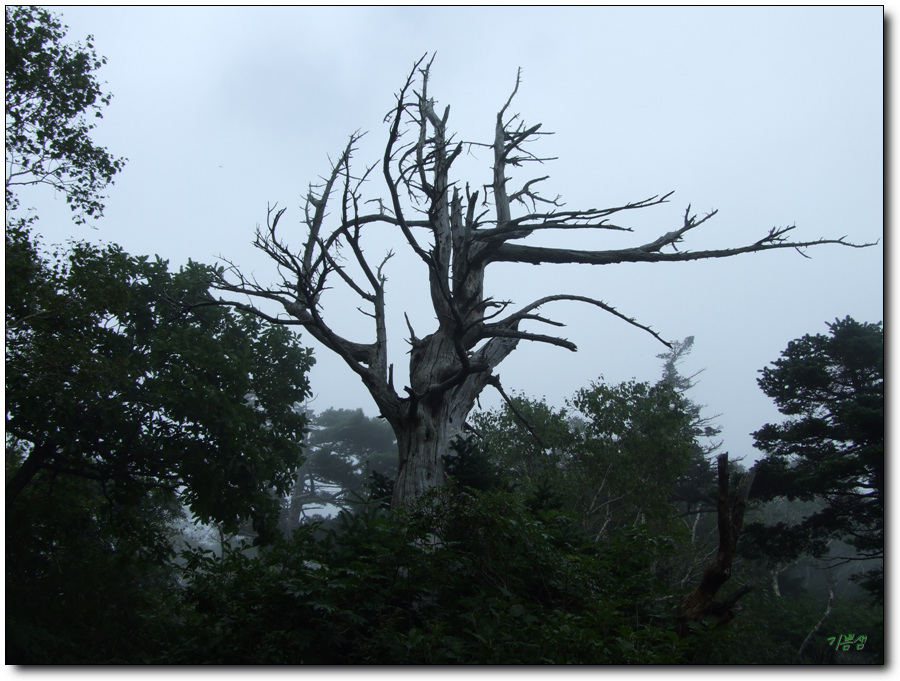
point(457, 232)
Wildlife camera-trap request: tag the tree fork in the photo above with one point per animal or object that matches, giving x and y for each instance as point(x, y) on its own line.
point(451, 366)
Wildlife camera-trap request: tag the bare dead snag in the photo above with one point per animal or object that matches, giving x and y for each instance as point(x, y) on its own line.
point(701, 602)
point(816, 629)
point(457, 233)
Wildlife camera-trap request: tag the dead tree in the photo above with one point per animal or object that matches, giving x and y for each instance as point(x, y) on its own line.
point(701, 602)
point(816, 629)
point(457, 232)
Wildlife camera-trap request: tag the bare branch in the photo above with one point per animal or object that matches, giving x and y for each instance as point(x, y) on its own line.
point(393, 137)
point(490, 329)
point(515, 90)
point(535, 255)
point(593, 218)
point(452, 364)
point(412, 333)
point(495, 382)
point(503, 332)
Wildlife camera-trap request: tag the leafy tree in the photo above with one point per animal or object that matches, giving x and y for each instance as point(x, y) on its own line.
point(106, 380)
point(696, 487)
point(636, 443)
point(611, 459)
point(119, 409)
point(472, 466)
point(345, 448)
point(529, 442)
point(458, 233)
point(51, 88)
point(831, 446)
point(459, 576)
point(83, 573)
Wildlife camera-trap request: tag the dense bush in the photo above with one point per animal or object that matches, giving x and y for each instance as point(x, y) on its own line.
point(466, 576)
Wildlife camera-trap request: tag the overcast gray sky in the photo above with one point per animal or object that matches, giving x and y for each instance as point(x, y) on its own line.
point(773, 116)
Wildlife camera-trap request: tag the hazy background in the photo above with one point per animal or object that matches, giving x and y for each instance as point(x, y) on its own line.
point(773, 116)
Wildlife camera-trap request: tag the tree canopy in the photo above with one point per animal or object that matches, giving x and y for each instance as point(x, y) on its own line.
point(107, 380)
point(51, 89)
point(344, 449)
point(616, 457)
point(830, 448)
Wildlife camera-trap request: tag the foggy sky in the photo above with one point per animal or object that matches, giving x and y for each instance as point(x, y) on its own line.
point(773, 116)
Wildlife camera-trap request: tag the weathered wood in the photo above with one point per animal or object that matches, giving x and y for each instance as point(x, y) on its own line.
point(457, 234)
point(701, 602)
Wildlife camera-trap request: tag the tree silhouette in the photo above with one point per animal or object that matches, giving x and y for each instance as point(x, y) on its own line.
point(830, 447)
point(51, 88)
point(458, 232)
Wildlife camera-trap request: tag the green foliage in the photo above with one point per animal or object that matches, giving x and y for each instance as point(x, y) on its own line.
point(106, 379)
point(465, 576)
point(612, 460)
point(850, 616)
point(831, 447)
point(771, 630)
point(636, 442)
point(529, 455)
point(119, 409)
point(82, 571)
point(50, 89)
point(472, 466)
point(346, 453)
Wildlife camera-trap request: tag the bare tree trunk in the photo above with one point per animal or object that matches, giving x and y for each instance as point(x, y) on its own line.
point(701, 602)
point(427, 424)
point(818, 627)
point(422, 440)
point(694, 528)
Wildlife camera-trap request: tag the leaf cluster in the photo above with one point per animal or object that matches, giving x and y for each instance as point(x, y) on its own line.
point(830, 448)
point(122, 409)
point(614, 457)
point(107, 379)
point(465, 576)
point(51, 88)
